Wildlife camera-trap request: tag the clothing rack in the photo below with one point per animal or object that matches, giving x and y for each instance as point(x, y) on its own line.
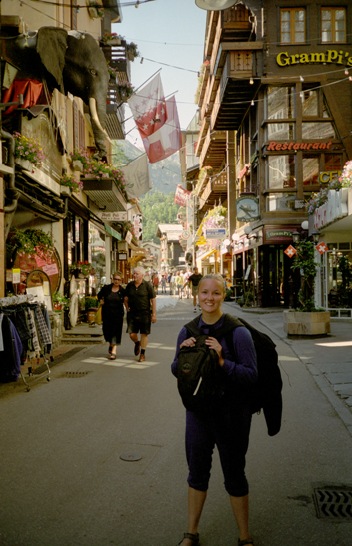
point(25, 339)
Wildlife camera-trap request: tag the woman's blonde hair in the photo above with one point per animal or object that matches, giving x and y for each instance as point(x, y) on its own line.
point(214, 277)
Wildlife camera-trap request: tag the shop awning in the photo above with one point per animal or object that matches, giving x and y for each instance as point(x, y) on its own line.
point(104, 193)
point(111, 231)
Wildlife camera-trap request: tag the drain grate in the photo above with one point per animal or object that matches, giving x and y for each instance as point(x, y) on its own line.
point(70, 375)
point(333, 502)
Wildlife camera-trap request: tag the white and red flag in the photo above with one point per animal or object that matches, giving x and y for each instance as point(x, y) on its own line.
point(181, 195)
point(148, 107)
point(168, 139)
point(290, 251)
point(322, 247)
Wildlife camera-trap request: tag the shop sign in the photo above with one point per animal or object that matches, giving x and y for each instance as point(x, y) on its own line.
point(336, 207)
point(325, 177)
point(277, 235)
point(330, 56)
point(117, 216)
point(215, 233)
point(274, 146)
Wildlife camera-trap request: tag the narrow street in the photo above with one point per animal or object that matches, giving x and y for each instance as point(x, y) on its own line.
point(95, 457)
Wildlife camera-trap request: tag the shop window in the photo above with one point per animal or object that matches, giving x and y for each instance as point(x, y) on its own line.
point(280, 202)
point(310, 106)
point(310, 166)
point(333, 25)
point(280, 131)
point(281, 172)
point(314, 130)
point(292, 26)
point(333, 162)
point(280, 102)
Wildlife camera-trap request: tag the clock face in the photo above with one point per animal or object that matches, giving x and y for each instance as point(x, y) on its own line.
point(247, 208)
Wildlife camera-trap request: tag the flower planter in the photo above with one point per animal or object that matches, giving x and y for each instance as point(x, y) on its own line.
point(306, 323)
point(77, 165)
point(65, 190)
point(25, 164)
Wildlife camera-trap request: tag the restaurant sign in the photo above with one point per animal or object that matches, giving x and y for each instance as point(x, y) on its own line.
point(274, 146)
point(278, 235)
point(330, 56)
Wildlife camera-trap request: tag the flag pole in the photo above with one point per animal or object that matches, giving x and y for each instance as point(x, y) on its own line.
point(146, 81)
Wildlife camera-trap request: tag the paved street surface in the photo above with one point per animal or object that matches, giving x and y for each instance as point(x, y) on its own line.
point(95, 457)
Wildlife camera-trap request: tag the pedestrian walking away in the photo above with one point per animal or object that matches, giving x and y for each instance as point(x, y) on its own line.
point(226, 421)
point(140, 304)
point(111, 297)
point(193, 280)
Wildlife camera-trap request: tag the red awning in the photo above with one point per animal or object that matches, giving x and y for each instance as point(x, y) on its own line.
point(30, 89)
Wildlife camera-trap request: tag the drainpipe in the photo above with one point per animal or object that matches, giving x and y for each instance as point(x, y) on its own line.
point(11, 188)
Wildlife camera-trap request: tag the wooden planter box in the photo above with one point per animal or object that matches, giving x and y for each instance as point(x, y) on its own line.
point(301, 323)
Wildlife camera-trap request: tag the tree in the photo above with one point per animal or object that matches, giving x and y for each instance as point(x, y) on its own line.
point(157, 208)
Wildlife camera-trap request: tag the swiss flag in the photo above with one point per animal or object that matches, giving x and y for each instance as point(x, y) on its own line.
point(168, 139)
point(148, 107)
point(322, 247)
point(290, 251)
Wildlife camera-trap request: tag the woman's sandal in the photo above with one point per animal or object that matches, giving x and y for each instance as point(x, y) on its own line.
point(245, 541)
point(112, 357)
point(191, 536)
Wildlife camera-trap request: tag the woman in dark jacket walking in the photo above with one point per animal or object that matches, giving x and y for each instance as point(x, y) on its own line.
point(111, 297)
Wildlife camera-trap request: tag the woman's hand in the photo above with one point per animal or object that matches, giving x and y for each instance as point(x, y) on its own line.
point(190, 342)
point(213, 343)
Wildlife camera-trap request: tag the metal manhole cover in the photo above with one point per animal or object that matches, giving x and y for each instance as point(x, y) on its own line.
point(333, 502)
point(131, 457)
point(70, 375)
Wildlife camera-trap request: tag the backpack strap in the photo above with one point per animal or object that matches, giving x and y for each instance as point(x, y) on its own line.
point(193, 327)
point(229, 324)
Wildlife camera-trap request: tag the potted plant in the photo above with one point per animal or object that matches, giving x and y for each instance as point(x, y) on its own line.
point(69, 181)
point(60, 302)
point(28, 241)
point(91, 305)
point(307, 319)
point(28, 149)
point(132, 51)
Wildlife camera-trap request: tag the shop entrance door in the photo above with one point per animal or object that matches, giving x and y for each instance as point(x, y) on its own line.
point(274, 269)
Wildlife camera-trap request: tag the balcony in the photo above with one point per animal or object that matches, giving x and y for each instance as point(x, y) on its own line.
point(214, 190)
point(105, 193)
point(117, 58)
point(231, 80)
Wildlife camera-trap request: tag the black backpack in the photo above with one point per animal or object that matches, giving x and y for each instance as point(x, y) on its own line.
point(197, 372)
point(265, 394)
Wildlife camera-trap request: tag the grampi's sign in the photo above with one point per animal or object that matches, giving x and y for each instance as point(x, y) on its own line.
point(331, 56)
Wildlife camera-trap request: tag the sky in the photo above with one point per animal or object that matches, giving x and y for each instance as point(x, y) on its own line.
point(170, 36)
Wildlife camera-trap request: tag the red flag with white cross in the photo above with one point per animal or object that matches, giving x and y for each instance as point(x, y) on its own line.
point(290, 251)
point(321, 247)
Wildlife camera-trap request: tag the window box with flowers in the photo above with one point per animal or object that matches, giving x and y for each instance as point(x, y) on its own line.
point(68, 182)
point(124, 90)
point(28, 151)
point(110, 39)
point(79, 160)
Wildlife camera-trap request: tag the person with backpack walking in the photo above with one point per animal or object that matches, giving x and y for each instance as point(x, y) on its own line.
point(225, 420)
point(140, 302)
point(193, 281)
